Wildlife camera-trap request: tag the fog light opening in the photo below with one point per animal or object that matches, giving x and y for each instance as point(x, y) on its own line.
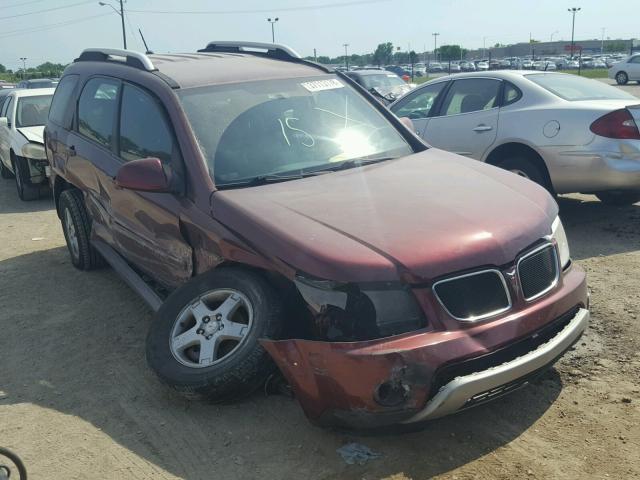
point(391, 393)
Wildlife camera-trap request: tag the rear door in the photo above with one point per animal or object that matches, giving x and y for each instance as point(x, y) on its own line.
point(419, 105)
point(467, 120)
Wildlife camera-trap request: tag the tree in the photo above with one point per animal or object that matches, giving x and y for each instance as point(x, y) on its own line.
point(324, 59)
point(383, 54)
point(451, 52)
point(3, 69)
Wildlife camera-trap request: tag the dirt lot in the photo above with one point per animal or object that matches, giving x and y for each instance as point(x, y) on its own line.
point(77, 400)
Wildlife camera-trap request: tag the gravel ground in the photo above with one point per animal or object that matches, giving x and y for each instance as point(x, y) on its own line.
point(77, 400)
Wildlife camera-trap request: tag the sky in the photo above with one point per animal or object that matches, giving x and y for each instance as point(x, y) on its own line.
point(60, 34)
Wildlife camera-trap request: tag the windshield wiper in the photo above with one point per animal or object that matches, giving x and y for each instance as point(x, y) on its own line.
point(354, 162)
point(265, 179)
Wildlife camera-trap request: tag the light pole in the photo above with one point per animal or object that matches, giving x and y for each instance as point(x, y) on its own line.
point(573, 11)
point(602, 42)
point(346, 56)
point(435, 45)
point(24, 66)
point(551, 40)
point(273, 30)
point(121, 13)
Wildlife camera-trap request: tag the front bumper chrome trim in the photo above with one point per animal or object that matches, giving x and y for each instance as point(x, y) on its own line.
point(454, 395)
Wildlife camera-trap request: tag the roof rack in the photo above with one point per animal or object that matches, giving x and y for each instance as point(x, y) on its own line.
point(272, 50)
point(131, 58)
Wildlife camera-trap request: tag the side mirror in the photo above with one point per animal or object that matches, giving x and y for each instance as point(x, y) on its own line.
point(144, 175)
point(4, 122)
point(407, 122)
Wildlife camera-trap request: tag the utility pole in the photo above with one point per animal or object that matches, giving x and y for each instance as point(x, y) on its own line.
point(124, 34)
point(121, 13)
point(573, 11)
point(602, 42)
point(24, 66)
point(346, 55)
point(273, 31)
point(435, 45)
point(315, 56)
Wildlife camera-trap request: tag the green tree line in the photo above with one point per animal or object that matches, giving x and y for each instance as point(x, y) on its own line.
point(44, 70)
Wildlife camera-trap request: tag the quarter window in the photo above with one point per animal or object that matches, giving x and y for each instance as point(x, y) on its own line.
point(61, 99)
point(511, 94)
point(143, 129)
point(97, 109)
point(471, 95)
point(635, 59)
point(421, 102)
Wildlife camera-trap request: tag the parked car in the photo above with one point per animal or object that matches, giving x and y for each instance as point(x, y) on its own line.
point(36, 83)
point(527, 64)
point(399, 71)
point(545, 66)
point(468, 66)
point(385, 86)
point(565, 132)
point(22, 155)
point(627, 69)
point(290, 216)
point(482, 66)
point(435, 67)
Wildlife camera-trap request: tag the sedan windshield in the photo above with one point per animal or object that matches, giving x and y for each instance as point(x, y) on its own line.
point(574, 88)
point(385, 80)
point(33, 111)
point(286, 127)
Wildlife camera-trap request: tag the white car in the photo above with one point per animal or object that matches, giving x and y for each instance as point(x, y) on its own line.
point(626, 70)
point(22, 155)
point(565, 132)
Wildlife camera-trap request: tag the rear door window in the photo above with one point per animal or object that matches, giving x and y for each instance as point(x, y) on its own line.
point(97, 109)
point(471, 95)
point(61, 99)
point(144, 130)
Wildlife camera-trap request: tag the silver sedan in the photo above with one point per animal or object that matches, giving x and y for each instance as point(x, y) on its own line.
point(565, 132)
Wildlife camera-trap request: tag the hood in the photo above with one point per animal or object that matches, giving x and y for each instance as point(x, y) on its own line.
point(33, 134)
point(414, 218)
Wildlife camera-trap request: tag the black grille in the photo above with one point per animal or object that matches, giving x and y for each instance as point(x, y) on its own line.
point(538, 272)
point(474, 296)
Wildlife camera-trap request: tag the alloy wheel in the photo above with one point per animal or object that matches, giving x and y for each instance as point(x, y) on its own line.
point(72, 236)
point(211, 328)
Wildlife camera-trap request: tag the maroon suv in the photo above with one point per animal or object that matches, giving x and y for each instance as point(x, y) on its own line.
point(274, 214)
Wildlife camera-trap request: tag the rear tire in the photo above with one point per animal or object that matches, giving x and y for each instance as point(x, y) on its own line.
point(524, 167)
point(26, 190)
point(619, 198)
point(76, 226)
point(622, 78)
point(221, 374)
point(4, 171)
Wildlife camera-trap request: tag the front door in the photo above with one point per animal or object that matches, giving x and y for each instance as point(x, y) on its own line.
point(467, 122)
point(418, 104)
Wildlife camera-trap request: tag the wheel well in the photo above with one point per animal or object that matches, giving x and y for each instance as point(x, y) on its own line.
point(510, 150)
point(59, 186)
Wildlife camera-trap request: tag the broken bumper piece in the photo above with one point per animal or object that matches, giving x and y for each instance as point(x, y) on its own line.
point(366, 386)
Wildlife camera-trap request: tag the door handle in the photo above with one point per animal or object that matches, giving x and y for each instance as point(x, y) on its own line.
point(483, 128)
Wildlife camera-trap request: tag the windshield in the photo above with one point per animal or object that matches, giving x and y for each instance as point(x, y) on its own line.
point(385, 80)
point(574, 88)
point(277, 127)
point(33, 111)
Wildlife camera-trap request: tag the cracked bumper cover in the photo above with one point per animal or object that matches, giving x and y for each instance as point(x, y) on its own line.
point(338, 383)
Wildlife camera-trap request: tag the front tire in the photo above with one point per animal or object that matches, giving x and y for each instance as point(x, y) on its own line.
point(4, 171)
point(622, 78)
point(76, 226)
point(26, 190)
point(619, 198)
point(204, 340)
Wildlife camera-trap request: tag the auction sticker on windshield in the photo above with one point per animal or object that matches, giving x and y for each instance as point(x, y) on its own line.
point(319, 85)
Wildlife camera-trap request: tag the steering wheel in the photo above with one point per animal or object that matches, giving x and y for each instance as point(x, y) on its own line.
point(15, 464)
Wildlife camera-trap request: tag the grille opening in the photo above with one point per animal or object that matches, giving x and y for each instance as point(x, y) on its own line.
point(538, 272)
point(506, 354)
point(474, 296)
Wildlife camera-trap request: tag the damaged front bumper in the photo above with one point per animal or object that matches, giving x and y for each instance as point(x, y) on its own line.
point(428, 374)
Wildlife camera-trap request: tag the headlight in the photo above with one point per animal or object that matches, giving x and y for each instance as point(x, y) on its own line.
point(557, 233)
point(349, 312)
point(35, 151)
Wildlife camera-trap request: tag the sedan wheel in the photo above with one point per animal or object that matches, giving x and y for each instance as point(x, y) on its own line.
point(622, 78)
